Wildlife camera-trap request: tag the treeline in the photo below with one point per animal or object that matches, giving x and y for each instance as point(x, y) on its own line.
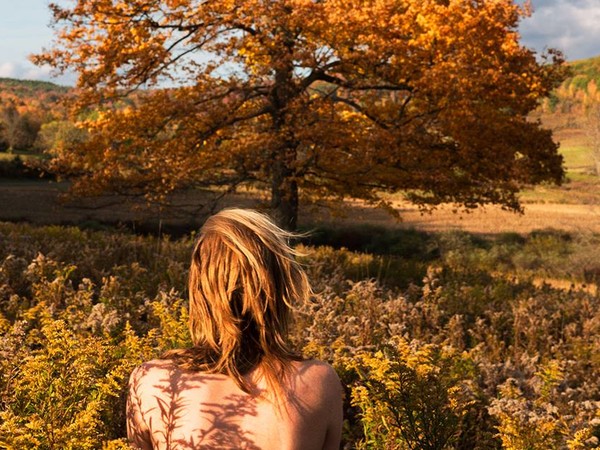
point(30, 114)
point(578, 93)
point(33, 116)
point(34, 119)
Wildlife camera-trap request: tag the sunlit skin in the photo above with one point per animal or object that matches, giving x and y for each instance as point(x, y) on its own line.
point(170, 408)
point(241, 385)
point(308, 99)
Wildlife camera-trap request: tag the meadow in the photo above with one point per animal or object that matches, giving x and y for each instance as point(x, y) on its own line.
point(476, 330)
point(444, 340)
point(574, 206)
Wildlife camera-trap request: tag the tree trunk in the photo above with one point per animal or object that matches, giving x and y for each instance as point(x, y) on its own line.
point(284, 187)
point(284, 195)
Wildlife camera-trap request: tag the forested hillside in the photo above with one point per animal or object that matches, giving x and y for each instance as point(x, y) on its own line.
point(572, 112)
point(584, 71)
point(578, 91)
point(31, 90)
point(25, 108)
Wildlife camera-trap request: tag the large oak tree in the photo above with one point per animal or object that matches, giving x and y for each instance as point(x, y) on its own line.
point(308, 98)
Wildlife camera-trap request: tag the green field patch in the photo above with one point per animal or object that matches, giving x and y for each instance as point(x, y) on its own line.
point(577, 157)
point(579, 188)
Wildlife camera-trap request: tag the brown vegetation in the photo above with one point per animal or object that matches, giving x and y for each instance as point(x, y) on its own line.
point(39, 202)
point(452, 348)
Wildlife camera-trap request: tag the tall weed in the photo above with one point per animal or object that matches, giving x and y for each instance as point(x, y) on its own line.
point(456, 348)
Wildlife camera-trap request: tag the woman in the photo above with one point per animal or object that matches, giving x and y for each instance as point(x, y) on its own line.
point(241, 385)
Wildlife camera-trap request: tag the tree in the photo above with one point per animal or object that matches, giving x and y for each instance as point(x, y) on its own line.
point(59, 134)
point(591, 128)
point(18, 130)
point(319, 98)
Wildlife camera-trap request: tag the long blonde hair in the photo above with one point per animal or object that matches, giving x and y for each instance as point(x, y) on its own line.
point(244, 280)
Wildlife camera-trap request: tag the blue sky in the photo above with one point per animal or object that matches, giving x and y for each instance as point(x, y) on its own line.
point(24, 29)
point(572, 26)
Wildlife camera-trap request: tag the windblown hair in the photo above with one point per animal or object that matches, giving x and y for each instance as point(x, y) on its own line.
point(244, 280)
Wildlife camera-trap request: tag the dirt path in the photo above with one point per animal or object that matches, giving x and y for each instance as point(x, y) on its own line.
point(37, 202)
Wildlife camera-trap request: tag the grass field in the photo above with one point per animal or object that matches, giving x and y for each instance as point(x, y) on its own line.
point(582, 186)
point(577, 158)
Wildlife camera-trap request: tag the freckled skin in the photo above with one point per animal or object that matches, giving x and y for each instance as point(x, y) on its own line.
point(169, 408)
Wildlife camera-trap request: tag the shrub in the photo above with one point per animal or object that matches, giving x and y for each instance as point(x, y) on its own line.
point(408, 397)
point(17, 167)
point(457, 351)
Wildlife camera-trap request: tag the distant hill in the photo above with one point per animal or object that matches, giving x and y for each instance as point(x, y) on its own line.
point(41, 95)
point(568, 105)
point(584, 71)
point(30, 85)
point(570, 99)
point(25, 106)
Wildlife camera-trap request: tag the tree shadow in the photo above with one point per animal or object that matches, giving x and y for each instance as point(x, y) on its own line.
point(219, 423)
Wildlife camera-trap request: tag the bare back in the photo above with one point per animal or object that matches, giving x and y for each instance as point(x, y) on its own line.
point(170, 408)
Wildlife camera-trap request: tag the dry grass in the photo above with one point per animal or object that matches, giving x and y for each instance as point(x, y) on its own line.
point(574, 206)
point(38, 202)
point(42, 202)
point(488, 220)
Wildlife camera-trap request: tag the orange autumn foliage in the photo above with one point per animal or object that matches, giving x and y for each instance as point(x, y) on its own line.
point(319, 99)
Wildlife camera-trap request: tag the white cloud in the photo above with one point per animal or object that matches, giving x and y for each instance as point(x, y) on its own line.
point(28, 71)
point(8, 70)
point(37, 73)
point(572, 26)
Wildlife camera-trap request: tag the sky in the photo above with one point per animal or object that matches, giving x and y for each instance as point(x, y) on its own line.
point(572, 26)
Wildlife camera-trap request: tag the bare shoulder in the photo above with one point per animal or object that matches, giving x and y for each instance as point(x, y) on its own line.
point(152, 366)
point(317, 379)
point(319, 392)
point(152, 371)
point(314, 371)
point(143, 379)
